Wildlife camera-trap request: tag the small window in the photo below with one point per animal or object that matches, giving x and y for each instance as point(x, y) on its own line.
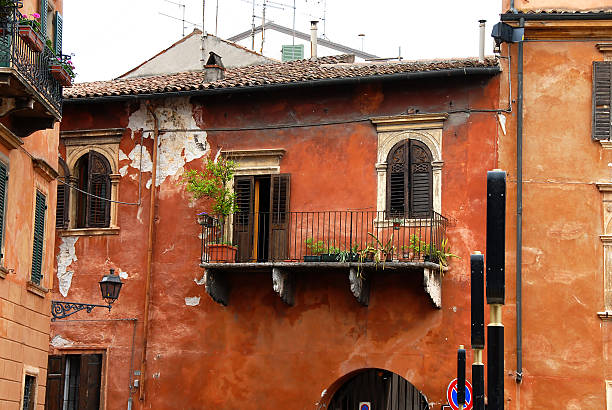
point(29, 392)
point(39, 237)
point(409, 180)
point(74, 382)
point(602, 100)
point(3, 192)
point(93, 180)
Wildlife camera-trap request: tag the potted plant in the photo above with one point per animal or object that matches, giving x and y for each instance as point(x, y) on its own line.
point(331, 254)
point(62, 70)
point(213, 183)
point(30, 32)
point(314, 250)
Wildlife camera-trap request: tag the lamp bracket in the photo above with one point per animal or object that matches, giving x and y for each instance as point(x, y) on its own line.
point(60, 310)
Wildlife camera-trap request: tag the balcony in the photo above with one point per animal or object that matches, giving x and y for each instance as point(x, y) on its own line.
point(31, 97)
point(360, 242)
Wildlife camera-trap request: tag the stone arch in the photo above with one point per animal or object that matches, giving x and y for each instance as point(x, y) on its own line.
point(389, 140)
point(382, 388)
point(75, 154)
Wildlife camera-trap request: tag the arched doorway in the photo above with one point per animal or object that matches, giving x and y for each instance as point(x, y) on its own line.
point(384, 390)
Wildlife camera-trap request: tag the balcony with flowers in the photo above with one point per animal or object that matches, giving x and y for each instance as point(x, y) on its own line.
point(30, 88)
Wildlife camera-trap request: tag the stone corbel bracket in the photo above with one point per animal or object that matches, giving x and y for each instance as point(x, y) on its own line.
point(217, 286)
point(360, 286)
point(432, 282)
point(283, 283)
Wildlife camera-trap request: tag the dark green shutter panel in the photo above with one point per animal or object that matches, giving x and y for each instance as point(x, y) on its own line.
point(280, 217)
point(98, 206)
point(243, 218)
point(602, 86)
point(63, 197)
point(3, 189)
point(43, 17)
point(421, 202)
point(39, 237)
point(59, 22)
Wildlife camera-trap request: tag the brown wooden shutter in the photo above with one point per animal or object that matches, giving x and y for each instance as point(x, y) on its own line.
point(602, 86)
point(63, 197)
point(397, 180)
point(89, 383)
point(55, 383)
point(279, 216)
point(420, 180)
point(98, 209)
point(243, 218)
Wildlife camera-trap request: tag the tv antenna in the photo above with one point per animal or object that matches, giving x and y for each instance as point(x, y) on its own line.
point(181, 6)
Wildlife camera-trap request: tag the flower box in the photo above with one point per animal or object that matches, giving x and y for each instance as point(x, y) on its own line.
point(31, 38)
point(60, 74)
point(220, 253)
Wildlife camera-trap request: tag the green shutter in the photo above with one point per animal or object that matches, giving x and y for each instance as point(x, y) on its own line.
point(3, 186)
point(293, 52)
point(39, 237)
point(43, 17)
point(59, 22)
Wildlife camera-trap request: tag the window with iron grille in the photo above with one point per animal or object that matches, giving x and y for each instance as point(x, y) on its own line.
point(29, 392)
point(93, 180)
point(74, 382)
point(3, 192)
point(39, 237)
point(409, 180)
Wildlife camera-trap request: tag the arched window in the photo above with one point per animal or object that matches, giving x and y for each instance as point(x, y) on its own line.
point(409, 180)
point(63, 196)
point(93, 176)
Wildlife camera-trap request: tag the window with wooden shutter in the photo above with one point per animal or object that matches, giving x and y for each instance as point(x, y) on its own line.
point(279, 216)
point(55, 383)
point(74, 382)
point(602, 96)
point(409, 180)
point(243, 218)
point(63, 196)
point(3, 191)
point(44, 8)
point(39, 237)
point(98, 206)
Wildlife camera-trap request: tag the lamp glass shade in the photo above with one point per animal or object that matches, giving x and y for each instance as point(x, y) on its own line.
point(110, 286)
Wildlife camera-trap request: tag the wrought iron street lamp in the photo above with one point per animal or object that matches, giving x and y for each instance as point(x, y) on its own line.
point(110, 286)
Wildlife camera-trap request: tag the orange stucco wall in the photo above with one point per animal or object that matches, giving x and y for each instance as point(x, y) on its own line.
point(258, 352)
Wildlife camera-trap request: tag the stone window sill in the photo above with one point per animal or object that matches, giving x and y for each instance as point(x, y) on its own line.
point(36, 289)
point(3, 272)
point(113, 230)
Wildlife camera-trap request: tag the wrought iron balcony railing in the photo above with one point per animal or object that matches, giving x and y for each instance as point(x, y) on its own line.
point(32, 65)
point(325, 236)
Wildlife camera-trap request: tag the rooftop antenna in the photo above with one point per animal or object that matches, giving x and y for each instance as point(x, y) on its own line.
point(181, 5)
point(253, 29)
point(324, 19)
point(263, 27)
point(216, 17)
point(293, 35)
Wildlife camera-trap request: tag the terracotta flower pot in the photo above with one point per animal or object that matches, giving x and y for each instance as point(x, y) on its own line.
point(221, 253)
point(60, 74)
point(31, 38)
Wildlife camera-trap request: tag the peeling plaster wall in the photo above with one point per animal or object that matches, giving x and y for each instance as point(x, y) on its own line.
point(65, 257)
point(326, 334)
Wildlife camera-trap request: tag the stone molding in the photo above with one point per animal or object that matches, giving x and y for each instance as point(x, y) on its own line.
point(44, 169)
point(8, 139)
point(36, 289)
point(113, 230)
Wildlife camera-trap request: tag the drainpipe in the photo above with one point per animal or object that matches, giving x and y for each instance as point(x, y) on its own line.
point(519, 213)
point(313, 39)
point(143, 366)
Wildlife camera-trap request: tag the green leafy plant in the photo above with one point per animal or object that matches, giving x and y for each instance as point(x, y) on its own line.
point(443, 254)
point(315, 248)
point(213, 183)
point(31, 21)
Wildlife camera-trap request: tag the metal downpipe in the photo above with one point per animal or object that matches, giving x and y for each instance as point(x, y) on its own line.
point(519, 213)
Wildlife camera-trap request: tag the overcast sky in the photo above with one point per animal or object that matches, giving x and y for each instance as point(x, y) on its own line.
point(108, 41)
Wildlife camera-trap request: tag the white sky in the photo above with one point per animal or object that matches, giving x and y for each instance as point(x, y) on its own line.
point(110, 40)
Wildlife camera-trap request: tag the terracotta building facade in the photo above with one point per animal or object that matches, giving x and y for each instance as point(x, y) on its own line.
point(29, 135)
point(327, 153)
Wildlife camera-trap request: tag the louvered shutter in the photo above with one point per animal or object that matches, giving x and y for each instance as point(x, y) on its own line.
point(243, 218)
point(397, 180)
point(43, 17)
point(602, 86)
point(3, 190)
point(420, 180)
point(98, 206)
point(63, 197)
point(39, 237)
point(279, 216)
point(56, 366)
point(59, 22)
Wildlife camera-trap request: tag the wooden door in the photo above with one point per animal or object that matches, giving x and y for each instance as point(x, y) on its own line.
point(243, 218)
point(279, 217)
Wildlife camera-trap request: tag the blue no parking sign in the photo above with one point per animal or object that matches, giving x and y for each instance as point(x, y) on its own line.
point(451, 395)
point(365, 405)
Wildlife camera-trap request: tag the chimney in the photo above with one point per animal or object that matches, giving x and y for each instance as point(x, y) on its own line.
point(214, 69)
point(313, 39)
point(481, 24)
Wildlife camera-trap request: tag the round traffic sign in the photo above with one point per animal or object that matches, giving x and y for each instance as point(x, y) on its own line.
point(451, 395)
